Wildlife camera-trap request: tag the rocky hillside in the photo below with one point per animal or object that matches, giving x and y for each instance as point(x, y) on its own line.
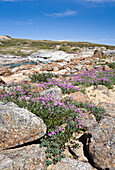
point(15, 51)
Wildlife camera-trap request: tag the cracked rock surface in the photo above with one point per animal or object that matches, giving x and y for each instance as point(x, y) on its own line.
point(24, 158)
point(18, 126)
point(100, 144)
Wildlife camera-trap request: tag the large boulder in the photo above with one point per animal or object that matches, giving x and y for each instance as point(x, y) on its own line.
point(29, 157)
point(71, 164)
point(18, 126)
point(100, 144)
point(55, 91)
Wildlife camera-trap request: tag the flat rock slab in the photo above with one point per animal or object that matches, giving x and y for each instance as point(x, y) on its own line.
point(30, 157)
point(18, 126)
point(100, 144)
point(71, 164)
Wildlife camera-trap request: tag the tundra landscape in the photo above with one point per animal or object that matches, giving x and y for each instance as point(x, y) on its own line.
point(57, 104)
point(57, 84)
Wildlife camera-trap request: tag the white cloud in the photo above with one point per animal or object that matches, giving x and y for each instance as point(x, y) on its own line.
point(100, 1)
point(62, 14)
point(93, 1)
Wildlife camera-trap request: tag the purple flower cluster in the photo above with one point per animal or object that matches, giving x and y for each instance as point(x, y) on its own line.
point(96, 76)
point(62, 85)
point(55, 132)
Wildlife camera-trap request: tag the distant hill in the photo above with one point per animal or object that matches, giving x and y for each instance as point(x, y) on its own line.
point(16, 46)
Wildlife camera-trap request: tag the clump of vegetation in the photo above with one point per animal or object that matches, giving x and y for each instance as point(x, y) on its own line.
point(95, 77)
point(68, 49)
point(43, 77)
point(111, 65)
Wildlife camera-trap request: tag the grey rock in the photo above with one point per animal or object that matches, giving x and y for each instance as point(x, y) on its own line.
point(56, 91)
point(28, 157)
point(18, 126)
point(72, 164)
point(15, 69)
point(99, 54)
point(110, 52)
point(88, 120)
point(78, 67)
point(55, 69)
point(109, 108)
point(26, 79)
point(100, 144)
point(18, 74)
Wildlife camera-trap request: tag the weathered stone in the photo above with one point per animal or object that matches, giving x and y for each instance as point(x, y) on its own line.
point(109, 108)
point(5, 72)
point(103, 88)
point(5, 38)
point(99, 54)
point(88, 120)
point(15, 69)
point(78, 67)
point(55, 68)
point(26, 80)
point(2, 81)
point(71, 164)
point(105, 67)
point(57, 47)
point(60, 60)
point(75, 62)
point(18, 126)
point(56, 91)
point(80, 97)
point(36, 88)
point(60, 67)
point(1, 90)
point(28, 157)
point(100, 144)
point(46, 68)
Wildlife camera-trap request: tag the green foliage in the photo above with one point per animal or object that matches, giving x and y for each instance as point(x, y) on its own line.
point(99, 77)
point(111, 65)
point(65, 49)
point(98, 112)
point(48, 162)
point(56, 160)
point(68, 49)
point(34, 45)
point(50, 44)
point(43, 77)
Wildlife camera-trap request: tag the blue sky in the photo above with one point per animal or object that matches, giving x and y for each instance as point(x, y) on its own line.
point(73, 20)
